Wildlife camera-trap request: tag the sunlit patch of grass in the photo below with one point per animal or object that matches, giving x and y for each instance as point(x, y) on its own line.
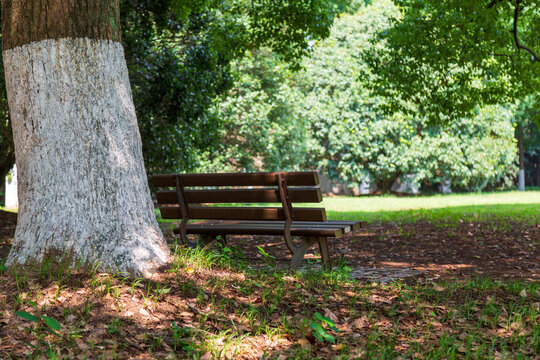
point(451, 209)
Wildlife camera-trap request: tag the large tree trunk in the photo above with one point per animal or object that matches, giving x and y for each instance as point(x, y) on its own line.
point(83, 191)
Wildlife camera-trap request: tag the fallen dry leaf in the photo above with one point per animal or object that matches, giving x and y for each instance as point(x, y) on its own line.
point(206, 356)
point(438, 288)
point(329, 314)
point(304, 344)
point(361, 322)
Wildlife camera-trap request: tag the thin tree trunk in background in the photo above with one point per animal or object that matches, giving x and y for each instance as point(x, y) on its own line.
point(521, 174)
point(83, 190)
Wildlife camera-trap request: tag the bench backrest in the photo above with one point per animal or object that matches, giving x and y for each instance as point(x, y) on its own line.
point(192, 196)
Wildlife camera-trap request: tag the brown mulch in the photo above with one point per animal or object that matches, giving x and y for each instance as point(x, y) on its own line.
point(499, 250)
point(468, 249)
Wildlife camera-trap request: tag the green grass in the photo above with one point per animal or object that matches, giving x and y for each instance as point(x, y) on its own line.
point(8, 210)
point(520, 206)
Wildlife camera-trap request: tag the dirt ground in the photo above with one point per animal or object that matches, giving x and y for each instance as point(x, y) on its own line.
point(497, 249)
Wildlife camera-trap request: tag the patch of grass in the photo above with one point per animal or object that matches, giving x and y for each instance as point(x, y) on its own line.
point(520, 206)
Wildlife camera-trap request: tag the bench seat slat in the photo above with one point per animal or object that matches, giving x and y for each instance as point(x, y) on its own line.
point(355, 224)
point(342, 224)
point(327, 229)
point(298, 228)
point(307, 195)
point(309, 178)
point(243, 213)
point(235, 230)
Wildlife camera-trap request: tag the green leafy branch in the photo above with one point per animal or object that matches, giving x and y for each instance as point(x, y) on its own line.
point(319, 330)
point(44, 325)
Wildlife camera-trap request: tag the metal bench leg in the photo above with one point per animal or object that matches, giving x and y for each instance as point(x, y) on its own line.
point(323, 247)
point(205, 240)
point(300, 251)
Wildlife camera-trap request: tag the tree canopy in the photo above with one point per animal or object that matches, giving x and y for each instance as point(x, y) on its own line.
point(179, 53)
point(326, 117)
point(447, 57)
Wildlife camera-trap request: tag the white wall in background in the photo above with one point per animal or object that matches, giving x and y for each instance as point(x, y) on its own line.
point(11, 190)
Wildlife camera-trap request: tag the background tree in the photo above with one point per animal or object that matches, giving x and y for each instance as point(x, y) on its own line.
point(326, 117)
point(179, 57)
point(528, 136)
point(261, 127)
point(447, 57)
point(7, 149)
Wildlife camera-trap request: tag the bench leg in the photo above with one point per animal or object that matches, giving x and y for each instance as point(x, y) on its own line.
point(300, 251)
point(222, 240)
point(204, 240)
point(323, 248)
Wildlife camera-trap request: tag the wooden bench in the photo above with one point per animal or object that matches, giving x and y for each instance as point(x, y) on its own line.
point(194, 197)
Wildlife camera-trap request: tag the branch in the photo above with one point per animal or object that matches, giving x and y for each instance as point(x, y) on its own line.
point(493, 3)
point(516, 38)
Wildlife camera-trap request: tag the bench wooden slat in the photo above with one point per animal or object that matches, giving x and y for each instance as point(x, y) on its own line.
point(243, 213)
point(354, 224)
point(232, 230)
point(309, 178)
point(264, 228)
point(345, 226)
point(307, 195)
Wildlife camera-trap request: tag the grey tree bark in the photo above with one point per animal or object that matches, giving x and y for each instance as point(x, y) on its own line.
point(82, 185)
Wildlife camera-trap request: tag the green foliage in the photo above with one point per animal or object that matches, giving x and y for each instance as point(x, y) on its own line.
point(175, 74)
point(319, 330)
point(326, 117)
point(26, 316)
point(179, 55)
point(261, 129)
point(43, 325)
point(180, 338)
point(447, 57)
point(352, 139)
point(284, 26)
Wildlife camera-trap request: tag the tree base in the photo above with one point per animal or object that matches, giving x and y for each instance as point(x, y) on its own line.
point(83, 190)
